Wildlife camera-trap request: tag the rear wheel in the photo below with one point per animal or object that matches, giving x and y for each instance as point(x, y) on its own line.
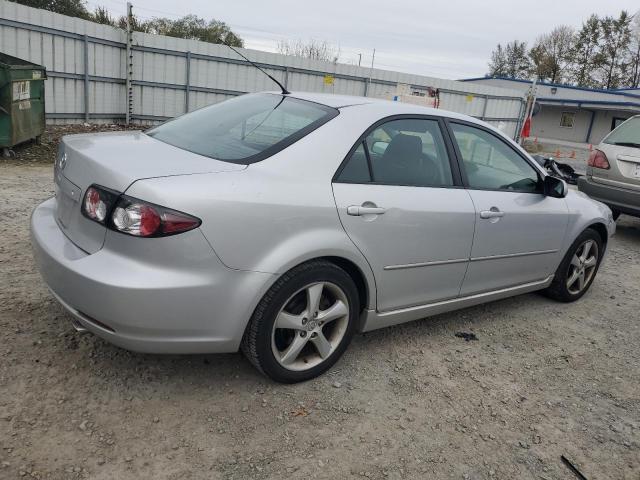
point(578, 268)
point(304, 323)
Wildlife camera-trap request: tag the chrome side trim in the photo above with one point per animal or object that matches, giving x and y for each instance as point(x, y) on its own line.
point(512, 255)
point(426, 264)
point(473, 259)
point(375, 319)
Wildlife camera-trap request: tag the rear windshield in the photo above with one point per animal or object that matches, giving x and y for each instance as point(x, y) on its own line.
point(245, 129)
point(627, 134)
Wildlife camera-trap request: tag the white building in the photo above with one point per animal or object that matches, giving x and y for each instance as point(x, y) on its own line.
point(573, 114)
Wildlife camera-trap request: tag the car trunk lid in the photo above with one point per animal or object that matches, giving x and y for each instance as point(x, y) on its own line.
point(115, 161)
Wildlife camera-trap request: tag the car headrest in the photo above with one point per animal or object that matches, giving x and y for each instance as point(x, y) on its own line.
point(403, 146)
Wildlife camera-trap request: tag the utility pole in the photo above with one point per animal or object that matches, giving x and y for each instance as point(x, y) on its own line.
point(129, 64)
point(359, 59)
point(373, 57)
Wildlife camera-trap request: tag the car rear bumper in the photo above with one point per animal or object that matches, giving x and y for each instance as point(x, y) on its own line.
point(623, 200)
point(165, 295)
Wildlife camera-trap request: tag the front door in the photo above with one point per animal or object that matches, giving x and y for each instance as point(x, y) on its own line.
point(400, 202)
point(519, 230)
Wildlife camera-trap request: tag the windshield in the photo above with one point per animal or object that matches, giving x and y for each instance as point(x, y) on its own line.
point(627, 134)
point(245, 129)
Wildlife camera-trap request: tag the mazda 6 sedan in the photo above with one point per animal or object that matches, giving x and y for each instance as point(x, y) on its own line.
point(282, 224)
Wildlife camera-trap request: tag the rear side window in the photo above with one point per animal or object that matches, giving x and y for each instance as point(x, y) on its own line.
point(407, 152)
point(245, 129)
point(627, 134)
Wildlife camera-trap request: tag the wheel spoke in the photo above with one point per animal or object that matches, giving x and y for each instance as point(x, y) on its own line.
point(322, 345)
point(575, 261)
point(586, 249)
point(591, 262)
point(572, 279)
point(581, 280)
point(314, 292)
point(289, 320)
point(291, 353)
point(334, 312)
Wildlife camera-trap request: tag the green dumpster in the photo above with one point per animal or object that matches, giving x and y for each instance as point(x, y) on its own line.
point(21, 102)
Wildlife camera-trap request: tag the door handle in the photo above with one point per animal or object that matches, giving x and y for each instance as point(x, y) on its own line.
point(358, 210)
point(494, 212)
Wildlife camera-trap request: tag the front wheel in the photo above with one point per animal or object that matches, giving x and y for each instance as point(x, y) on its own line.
point(304, 323)
point(578, 268)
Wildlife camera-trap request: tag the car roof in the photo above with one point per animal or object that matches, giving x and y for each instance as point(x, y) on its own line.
point(389, 107)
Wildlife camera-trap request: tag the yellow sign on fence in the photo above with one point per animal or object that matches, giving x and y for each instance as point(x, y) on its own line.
point(328, 79)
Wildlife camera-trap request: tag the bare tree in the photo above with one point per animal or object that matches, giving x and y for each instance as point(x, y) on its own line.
point(634, 53)
point(314, 49)
point(551, 54)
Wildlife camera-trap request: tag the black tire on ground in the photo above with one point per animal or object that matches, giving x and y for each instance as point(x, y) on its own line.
point(616, 213)
point(558, 289)
point(256, 342)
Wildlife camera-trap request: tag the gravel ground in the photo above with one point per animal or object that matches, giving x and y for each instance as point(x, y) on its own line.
point(543, 380)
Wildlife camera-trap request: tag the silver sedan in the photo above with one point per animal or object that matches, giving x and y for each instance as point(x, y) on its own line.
point(284, 224)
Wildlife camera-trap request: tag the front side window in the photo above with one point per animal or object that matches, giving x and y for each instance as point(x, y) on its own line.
point(491, 164)
point(407, 152)
point(245, 129)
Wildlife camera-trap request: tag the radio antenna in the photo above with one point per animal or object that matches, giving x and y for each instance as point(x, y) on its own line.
point(284, 90)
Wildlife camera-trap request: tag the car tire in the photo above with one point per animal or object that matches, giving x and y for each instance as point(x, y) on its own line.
point(569, 284)
point(615, 213)
point(313, 309)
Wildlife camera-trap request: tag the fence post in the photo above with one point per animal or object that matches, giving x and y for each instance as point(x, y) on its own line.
point(366, 86)
point(129, 65)
point(187, 83)
point(286, 77)
point(86, 78)
point(484, 108)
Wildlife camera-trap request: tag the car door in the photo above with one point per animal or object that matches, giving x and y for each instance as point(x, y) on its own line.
point(519, 230)
point(400, 200)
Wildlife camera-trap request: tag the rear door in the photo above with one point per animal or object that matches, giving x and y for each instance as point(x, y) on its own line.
point(400, 200)
point(519, 230)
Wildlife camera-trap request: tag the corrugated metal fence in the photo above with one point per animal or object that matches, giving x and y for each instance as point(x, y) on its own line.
point(86, 65)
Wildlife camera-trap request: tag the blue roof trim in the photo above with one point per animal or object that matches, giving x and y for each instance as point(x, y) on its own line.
point(557, 85)
point(588, 102)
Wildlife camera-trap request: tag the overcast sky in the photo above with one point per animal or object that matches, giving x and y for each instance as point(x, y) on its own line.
point(448, 39)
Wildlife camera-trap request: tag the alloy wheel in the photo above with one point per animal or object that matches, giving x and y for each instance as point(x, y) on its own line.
point(310, 326)
point(582, 267)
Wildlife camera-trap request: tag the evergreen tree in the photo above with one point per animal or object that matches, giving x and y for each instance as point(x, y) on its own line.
point(498, 62)
point(616, 38)
point(518, 64)
point(633, 69)
point(585, 56)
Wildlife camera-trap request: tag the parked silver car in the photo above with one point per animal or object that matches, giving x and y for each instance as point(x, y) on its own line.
point(283, 224)
point(613, 170)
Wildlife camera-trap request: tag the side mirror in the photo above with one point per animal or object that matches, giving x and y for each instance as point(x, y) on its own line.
point(555, 187)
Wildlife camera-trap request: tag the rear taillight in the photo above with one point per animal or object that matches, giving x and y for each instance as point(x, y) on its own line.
point(133, 216)
point(98, 202)
point(597, 159)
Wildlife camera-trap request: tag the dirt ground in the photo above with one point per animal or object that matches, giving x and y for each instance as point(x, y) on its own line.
point(543, 379)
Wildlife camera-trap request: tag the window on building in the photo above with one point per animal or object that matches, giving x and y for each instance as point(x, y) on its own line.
point(567, 119)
